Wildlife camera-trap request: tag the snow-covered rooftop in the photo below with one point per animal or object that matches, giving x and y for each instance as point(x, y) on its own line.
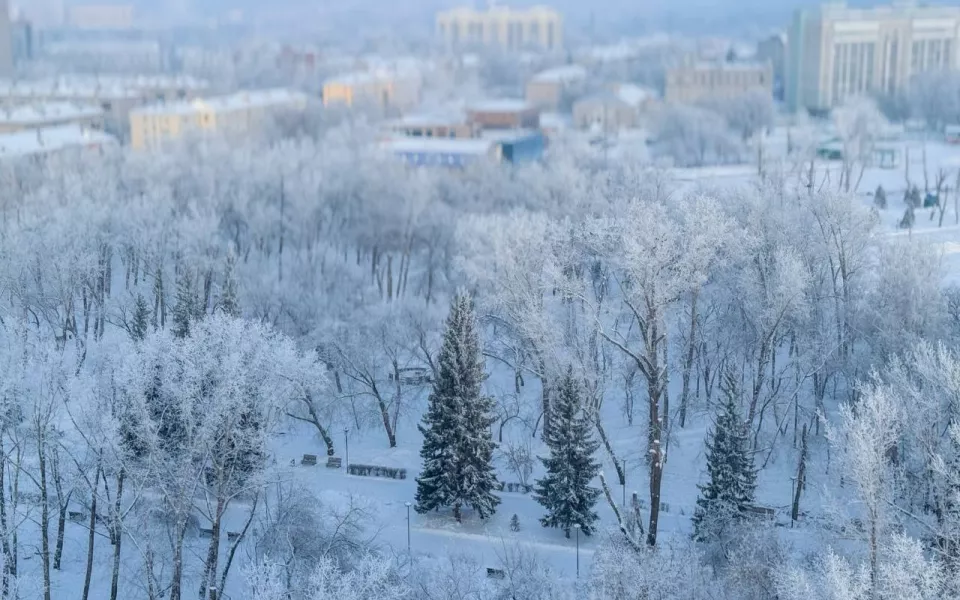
point(564, 74)
point(97, 86)
point(504, 105)
point(51, 139)
point(238, 101)
point(634, 95)
point(48, 112)
point(439, 145)
point(426, 119)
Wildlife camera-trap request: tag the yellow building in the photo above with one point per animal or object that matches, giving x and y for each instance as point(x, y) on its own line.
point(238, 114)
point(380, 90)
point(501, 27)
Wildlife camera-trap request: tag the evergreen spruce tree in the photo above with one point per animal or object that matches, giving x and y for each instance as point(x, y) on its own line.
point(730, 468)
point(458, 443)
point(228, 298)
point(141, 316)
point(184, 311)
point(565, 491)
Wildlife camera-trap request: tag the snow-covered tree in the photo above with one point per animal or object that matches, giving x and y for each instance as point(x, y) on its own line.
point(185, 309)
point(565, 490)
point(458, 441)
point(732, 477)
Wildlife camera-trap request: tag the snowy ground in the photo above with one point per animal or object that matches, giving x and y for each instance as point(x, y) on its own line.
point(438, 534)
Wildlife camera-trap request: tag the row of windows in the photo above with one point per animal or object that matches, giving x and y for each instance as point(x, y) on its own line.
point(516, 34)
point(853, 69)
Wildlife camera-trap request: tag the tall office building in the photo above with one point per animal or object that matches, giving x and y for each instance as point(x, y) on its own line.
point(6, 40)
point(501, 27)
point(835, 52)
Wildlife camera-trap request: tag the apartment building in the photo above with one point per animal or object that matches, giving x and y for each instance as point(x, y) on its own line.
point(117, 96)
point(696, 81)
point(101, 16)
point(6, 40)
point(238, 115)
point(835, 52)
point(46, 141)
point(501, 27)
point(50, 114)
point(556, 88)
point(383, 90)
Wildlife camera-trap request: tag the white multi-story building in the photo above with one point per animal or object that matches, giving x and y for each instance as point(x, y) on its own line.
point(835, 52)
point(50, 114)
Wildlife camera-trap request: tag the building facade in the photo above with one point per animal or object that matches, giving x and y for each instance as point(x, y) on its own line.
point(556, 88)
point(694, 82)
point(50, 114)
point(101, 16)
point(539, 27)
point(378, 90)
point(835, 52)
point(239, 114)
point(6, 40)
point(504, 114)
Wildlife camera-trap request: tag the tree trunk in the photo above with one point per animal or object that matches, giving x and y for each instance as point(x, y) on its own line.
point(801, 476)
point(117, 535)
point(176, 591)
point(688, 359)
point(91, 534)
point(385, 416)
point(62, 504)
point(236, 544)
point(10, 565)
point(44, 512)
point(213, 551)
point(654, 391)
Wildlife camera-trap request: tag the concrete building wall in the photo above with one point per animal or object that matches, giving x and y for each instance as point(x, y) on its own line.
point(608, 115)
point(835, 52)
point(6, 40)
point(701, 81)
point(501, 27)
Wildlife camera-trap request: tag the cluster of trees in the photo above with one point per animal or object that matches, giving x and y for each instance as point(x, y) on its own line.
point(163, 314)
point(714, 131)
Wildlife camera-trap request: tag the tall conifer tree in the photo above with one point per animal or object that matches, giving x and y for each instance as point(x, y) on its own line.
point(730, 468)
point(565, 491)
point(458, 443)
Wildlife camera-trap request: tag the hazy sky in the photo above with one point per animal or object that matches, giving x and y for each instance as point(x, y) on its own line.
point(610, 17)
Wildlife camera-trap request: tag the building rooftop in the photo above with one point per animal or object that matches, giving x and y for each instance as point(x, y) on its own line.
point(439, 145)
point(372, 76)
point(238, 101)
point(428, 119)
point(97, 86)
point(51, 139)
point(564, 74)
point(47, 112)
point(723, 65)
point(503, 105)
point(634, 95)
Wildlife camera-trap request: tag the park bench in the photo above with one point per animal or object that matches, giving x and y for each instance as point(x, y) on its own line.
point(309, 460)
point(495, 573)
point(206, 532)
point(76, 516)
point(760, 511)
point(233, 536)
point(334, 462)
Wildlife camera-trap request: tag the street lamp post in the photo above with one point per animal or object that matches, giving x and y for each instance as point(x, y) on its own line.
point(346, 450)
point(408, 505)
point(577, 527)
